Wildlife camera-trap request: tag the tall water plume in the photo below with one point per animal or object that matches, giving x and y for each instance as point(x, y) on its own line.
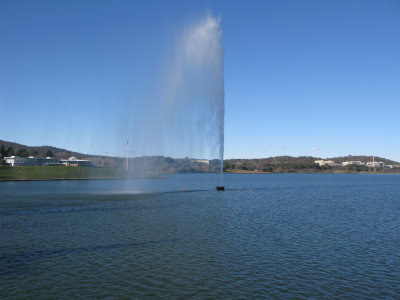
point(184, 115)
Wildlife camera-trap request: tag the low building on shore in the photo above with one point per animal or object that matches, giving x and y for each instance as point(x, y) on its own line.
point(393, 166)
point(201, 161)
point(353, 163)
point(325, 163)
point(74, 162)
point(17, 161)
point(375, 164)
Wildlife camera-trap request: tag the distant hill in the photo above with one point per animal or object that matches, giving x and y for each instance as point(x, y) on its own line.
point(40, 151)
point(293, 164)
point(60, 153)
point(153, 164)
point(363, 158)
point(162, 164)
point(310, 159)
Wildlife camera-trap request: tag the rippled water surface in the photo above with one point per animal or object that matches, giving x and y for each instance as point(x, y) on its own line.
point(281, 236)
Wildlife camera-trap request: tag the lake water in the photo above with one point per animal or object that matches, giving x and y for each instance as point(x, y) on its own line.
point(283, 236)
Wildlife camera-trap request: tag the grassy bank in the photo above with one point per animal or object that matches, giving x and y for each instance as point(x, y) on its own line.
point(246, 172)
point(331, 171)
point(59, 172)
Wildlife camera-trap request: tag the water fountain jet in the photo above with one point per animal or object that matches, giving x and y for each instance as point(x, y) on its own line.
point(184, 115)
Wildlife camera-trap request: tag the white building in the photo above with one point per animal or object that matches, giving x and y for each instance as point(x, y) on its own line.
point(325, 163)
point(353, 163)
point(74, 162)
point(31, 161)
point(202, 161)
point(15, 161)
point(375, 164)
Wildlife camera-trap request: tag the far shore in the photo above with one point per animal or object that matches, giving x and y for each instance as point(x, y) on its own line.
point(308, 172)
point(89, 178)
point(49, 173)
point(158, 176)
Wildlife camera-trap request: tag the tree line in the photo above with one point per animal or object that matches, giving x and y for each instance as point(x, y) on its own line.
point(299, 164)
point(21, 152)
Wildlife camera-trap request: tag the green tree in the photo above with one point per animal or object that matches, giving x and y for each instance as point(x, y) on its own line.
point(49, 153)
point(22, 153)
point(10, 151)
point(3, 152)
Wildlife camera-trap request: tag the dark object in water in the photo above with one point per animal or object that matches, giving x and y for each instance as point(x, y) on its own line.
point(220, 188)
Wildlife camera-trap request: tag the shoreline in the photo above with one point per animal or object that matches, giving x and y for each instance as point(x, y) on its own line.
point(57, 179)
point(52, 173)
point(162, 177)
point(68, 179)
point(301, 172)
point(77, 178)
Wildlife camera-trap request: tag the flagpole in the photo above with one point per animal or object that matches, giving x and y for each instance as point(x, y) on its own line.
point(127, 150)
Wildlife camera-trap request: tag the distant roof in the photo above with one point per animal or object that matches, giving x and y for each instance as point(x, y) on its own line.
point(74, 159)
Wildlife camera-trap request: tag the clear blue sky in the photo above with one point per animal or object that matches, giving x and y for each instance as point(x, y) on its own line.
point(302, 77)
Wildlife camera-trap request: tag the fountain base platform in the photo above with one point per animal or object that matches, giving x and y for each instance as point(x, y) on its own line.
point(220, 188)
